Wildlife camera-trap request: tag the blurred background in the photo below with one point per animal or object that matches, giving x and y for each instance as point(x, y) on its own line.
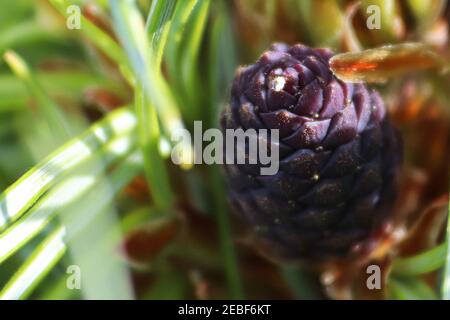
point(91, 205)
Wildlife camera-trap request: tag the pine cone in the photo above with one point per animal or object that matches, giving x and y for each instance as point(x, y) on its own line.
point(339, 155)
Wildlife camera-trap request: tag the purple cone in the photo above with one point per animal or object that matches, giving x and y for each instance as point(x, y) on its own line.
point(339, 155)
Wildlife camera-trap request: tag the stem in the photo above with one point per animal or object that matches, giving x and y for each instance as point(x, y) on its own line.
point(155, 169)
point(226, 242)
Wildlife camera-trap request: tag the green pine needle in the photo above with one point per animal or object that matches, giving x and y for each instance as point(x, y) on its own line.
point(425, 262)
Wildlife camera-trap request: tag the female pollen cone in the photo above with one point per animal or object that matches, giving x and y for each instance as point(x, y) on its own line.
point(339, 156)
